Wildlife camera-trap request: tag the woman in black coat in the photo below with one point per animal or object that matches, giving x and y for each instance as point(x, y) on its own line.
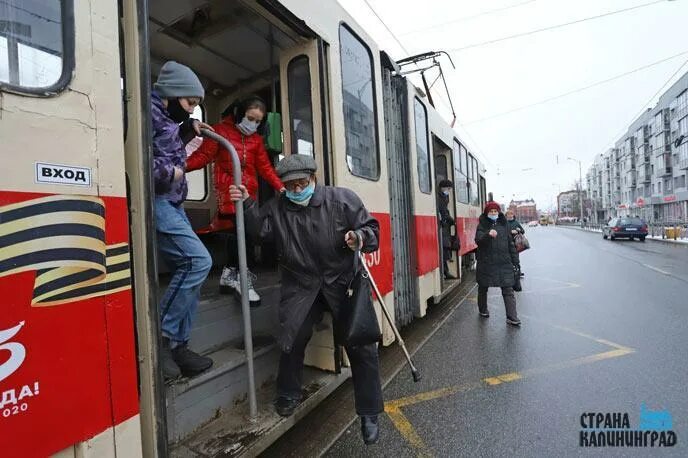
point(497, 261)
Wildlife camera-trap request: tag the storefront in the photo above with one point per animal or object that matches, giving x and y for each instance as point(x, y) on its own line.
point(670, 208)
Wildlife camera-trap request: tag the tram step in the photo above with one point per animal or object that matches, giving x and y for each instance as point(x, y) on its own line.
point(231, 435)
point(193, 402)
point(219, 319)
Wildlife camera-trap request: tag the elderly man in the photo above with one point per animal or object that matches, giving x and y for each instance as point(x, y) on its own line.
point(316, 230)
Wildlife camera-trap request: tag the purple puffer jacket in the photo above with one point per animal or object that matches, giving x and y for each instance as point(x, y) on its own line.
point(169, 139)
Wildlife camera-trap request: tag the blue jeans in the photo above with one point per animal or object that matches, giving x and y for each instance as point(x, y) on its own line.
point(190, 261)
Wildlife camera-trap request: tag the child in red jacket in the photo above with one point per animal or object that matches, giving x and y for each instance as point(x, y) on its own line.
point(241, 123)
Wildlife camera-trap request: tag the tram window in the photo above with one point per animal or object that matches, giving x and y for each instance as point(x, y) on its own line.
point(460, 181)
point(358, 93)
point(36, 45)
point(300, 106)
point(441, 168)
point(198, 179)
point(422, 146)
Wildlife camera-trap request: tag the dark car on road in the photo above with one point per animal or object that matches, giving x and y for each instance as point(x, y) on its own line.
point(625, 227)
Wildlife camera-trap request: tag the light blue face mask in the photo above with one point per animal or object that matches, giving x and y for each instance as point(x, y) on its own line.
point(248, 127)
point(493, 217)
point(303, 196)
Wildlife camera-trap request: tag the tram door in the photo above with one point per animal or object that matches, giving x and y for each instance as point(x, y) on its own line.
point(443, 171)
point(305, 116)
point(401, 201)
point(305, 127)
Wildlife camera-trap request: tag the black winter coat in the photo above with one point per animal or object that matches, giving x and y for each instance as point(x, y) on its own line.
point(515, 225)
point(497, 257)
point(313, 256)
point(445, 220)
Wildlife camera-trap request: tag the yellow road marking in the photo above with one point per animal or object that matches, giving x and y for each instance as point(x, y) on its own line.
point(505, 378)
point(406, 429)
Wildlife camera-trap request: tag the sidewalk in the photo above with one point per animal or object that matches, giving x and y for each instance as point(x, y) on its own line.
point(656, 238)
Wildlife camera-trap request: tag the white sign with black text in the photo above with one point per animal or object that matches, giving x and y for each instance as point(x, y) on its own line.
point(62, 174)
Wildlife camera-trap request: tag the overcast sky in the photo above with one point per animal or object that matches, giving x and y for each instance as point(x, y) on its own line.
point(499, 77)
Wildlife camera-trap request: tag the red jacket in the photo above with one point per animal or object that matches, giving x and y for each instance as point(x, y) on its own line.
point(252, 155)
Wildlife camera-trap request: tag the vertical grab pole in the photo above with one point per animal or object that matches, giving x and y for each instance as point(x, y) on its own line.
point(243, 269)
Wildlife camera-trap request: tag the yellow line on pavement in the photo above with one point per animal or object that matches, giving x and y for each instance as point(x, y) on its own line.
point(406, 429)
point(510, 377)
point(430, 395)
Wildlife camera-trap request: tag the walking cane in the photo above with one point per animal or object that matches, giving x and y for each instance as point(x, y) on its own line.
point(400, 341)
point(243, 270)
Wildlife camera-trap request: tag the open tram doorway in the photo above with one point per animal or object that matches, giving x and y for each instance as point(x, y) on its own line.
point(447, 236)
point(238, 49)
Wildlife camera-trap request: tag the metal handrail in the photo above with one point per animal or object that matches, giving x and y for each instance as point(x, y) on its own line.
point(243, 269)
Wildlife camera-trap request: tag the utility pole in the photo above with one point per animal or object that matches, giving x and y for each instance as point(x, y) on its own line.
point(580, 185)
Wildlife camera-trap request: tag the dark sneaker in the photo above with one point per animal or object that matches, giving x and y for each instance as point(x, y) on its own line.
point(521, 274)
point(484, 314)
point(285, 406)
point(369, 429)
point(170, 370)
point(190, 363)
point(513, 321)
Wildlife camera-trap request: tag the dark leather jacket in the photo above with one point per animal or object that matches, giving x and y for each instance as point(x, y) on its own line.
point(313, 256)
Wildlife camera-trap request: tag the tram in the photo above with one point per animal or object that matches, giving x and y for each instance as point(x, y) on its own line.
point(79, 272)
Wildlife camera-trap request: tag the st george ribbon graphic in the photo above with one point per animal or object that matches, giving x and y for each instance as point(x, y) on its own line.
point(62, 238)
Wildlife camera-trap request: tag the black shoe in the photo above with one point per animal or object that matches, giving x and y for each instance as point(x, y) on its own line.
point(285, 406)
point(190, 363)
point(369, 429)
point(170, 370)
point(484, 314)
point(513, 321)
point(521, 274)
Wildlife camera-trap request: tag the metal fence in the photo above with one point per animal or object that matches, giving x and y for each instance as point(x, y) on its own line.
point(674, 230)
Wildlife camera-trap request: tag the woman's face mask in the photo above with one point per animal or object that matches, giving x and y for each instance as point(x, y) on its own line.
point(302, 197)
point(445, 191)
point(493, 217)
point(248, 127)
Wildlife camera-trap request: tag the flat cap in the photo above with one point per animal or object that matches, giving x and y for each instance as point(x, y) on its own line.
point(296, 167)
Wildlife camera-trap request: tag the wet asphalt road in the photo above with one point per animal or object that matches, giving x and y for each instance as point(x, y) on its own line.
point(604, 330)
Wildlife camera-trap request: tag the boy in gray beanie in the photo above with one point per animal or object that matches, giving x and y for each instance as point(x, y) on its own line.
point(176, 93)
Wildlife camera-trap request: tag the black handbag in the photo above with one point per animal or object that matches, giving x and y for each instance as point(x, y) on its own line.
point(360, 326)
point(517, 280)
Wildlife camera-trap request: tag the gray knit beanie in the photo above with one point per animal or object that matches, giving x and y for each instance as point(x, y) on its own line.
point(177, 80)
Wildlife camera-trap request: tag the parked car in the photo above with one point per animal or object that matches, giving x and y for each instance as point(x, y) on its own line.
point(532, 224)
point(625, 227)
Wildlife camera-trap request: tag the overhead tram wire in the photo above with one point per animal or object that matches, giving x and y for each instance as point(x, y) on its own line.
point(552, 27)
point(644, 107)
point(574, 91)
point(465, 18)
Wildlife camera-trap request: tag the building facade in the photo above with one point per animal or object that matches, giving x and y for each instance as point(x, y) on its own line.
point(567, 204)
point(645, 173)
point(524, 210)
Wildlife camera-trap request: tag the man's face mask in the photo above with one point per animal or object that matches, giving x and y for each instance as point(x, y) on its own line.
point(176, 111)
point(301, 197)
point(445, 191)
point(248, 127)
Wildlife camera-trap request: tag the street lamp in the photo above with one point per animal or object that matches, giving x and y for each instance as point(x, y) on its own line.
point(580, 185)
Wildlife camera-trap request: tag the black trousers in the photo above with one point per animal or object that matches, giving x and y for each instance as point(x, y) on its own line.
point(365, 368)
point(507, 295)
point(232, 247)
